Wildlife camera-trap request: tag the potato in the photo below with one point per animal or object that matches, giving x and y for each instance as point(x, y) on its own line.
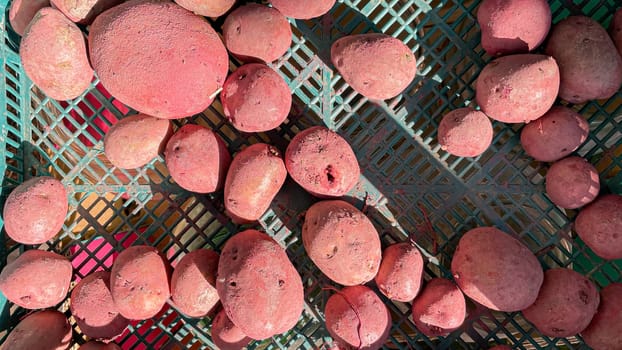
point(555, 135)
point(37, 279)
point(440, 309)
point(513, 26)
point(42, 330)
point(572, 183)
point(501, 347)
point(615, 30)
point(197, 159)
point(139, 282)
point(211, 8)
point(375, 65)
point(251, 261)
point(95, 345)
point(83, 11)
point(496, 270)
point(35, 210)
point(93, 308)
point(401, 271)
point(573, 299)
point(600, 226)
point(226, 335)
point(518, 88)
point(302, 9)
point(178, 62)
point(322, 162)
point(53, 53)
point(23, 11)
point(193, 284)
point(255, 32)
point(255, 98)
point(465, 132)
point(256, 175)
point(342, 242)
point(590, 65)
point(357, 317)
point(605, 330)
point(136, 140)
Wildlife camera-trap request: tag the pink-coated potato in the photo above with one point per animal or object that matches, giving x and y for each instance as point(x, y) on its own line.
point(83, 11)
point(605, 330)
point(193, 284)
point(209, 8)
point(465, 132)
point(440, 309)
point(95, 345)
point(303, 9)
point(615, 30)
point(401, 272)
point(226, 335)
point(600, 226)
point(23, 11)
point(45, 330)
point(572, 182)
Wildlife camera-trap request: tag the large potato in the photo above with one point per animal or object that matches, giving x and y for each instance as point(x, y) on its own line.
point(42, 330)
point(572, 182)
point(83, 11)
point(23, 11)
point(303, 9)
point(440, 309)
point(600, 226)
point(401, 272)
point(605, 330)
point(209, 8)
point(177, 61)
point(496, 270)
point(226, 335)
point(259, 287)
point(465, 132)
point(193, 284)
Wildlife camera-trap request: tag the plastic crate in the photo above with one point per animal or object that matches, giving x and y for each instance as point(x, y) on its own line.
point(408, 184)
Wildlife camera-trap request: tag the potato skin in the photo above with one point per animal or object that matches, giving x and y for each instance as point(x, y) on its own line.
point(599, 225)
point(518, 88)
point(572, 182)
point(193, 284)
point(178, 61)
point(35, 210)
point(605, 330)
point(496, 270)
point(555, 135)
point(342, 242)
point(251, 261)
point(94, 345)
point(23, 11)
point(465, 132)
point(211, 8)
point(139, 282)
point(303, 9)
point(401, 272)
point(440, 309)
point(46, 330)
point(37, 279)
point(226, 335)
point(367, 327)
point(53, 53)
point(615, 30)
point(376, 65)
point(83, 11)
point(590, 65)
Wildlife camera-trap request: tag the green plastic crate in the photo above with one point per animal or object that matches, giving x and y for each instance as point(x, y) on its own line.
point(407, 180)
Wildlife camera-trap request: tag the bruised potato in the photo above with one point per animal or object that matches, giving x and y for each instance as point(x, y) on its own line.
point(47, 329)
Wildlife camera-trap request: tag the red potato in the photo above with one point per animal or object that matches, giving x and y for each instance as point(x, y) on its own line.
point(193, 284)
point(518, 88)
point(136, 140)
point(210, 8)
point(177, 61)
point(259, 287)
point(376, 65)
point(226, 335)
point(440, 309)
point(600, 226)
point(401, 272)
point(605, 330)
point(496, 270)
point(53, 53)
point(302, 9)
point(615, 30)
point(139, 282)
point(590, 65)
point(83, 11)
point(93, 308)
point(255, 98)
point(197, 159)
point(342, 242)
point(255, 32)
point(465, 132)
point(322, 162)
point(44, 330)
point(37, 279)
point(572, 182)
point(555, 135)
point(501, 347)
point(35, 211)
point(23, 11)
point(357, 317)
point(94, 345)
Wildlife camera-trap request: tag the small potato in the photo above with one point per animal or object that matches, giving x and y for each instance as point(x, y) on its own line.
point(401, 271)
point(496, 270)
point(95, 345)
point(303, 9)
point(573, 299)
point(376, 65)
point(572, 183)
point(440, 309)
point(135, 141)
point(23, 11)
point(259, 287)
point(35, 211)
point(193, 284)
point(555, 135)
point(600, 226)
point(37, 279)
point(590, 65)
point(605, 330)
point(197, 159)
point(465, 132)
point(53, 53)
point(342, 242)
point(255, 32)
point(210, 8)
point(44, 330)
point(615, 30)
point(255, 98)
point(226, 335)
point(357, 317)
point(322, 162)
point(139, 282)
point(518, 88)
point(83, 11)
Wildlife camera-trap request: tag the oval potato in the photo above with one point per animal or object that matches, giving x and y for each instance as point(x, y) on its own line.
point(401, 272)
point(210, 8)
point(599, 225)
point(303, 9)
point(48, 327)
point(226, 335)
point(605, 330)
point(465, 132)
point(440, 309)
point(572, 182)
point(22, 12)
point(193, 284)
